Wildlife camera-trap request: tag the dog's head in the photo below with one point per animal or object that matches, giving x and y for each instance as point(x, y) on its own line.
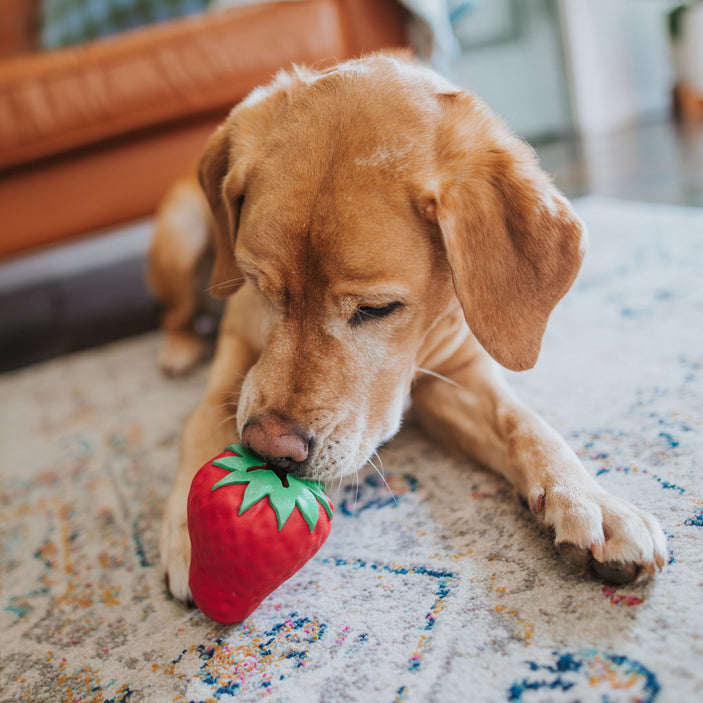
point(363, 205)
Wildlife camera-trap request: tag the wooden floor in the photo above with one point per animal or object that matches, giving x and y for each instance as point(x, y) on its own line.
point(657, 162)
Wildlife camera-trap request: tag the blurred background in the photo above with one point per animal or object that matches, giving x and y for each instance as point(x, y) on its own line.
point(103, 103)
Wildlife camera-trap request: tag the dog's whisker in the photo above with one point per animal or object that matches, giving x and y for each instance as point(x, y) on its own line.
point(339, 487)
point(382, 474)
point(439, 376)
point(227, 419)
point(234, 398)
point(226, 284)
point(383, 478)
point(356, 495)
point(356, 480)
point(366, 446)
point(380, 461)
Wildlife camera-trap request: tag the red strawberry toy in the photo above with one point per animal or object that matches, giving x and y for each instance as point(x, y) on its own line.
point(242, 546)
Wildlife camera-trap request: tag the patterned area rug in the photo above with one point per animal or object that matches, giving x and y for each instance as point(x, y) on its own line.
point(438, 588)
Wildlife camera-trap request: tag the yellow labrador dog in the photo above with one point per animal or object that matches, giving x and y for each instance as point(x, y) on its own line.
point(378, 235)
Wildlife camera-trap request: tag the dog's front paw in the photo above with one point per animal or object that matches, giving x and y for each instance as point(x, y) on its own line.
point(181, 353)
point(593, 529)
point(175, 556)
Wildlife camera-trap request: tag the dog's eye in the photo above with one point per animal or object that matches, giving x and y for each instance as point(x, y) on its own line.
point(367, 312)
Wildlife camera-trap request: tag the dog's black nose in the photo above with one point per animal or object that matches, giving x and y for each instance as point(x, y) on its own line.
point(276, 440)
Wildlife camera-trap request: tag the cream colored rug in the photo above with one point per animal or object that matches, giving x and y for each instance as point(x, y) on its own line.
point(443, 591)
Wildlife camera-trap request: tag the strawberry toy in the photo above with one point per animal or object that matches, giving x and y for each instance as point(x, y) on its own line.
point(250, 530)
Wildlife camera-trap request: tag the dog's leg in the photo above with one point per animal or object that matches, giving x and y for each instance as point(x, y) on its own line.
point(475, 412)
point(178, 249)
point(208, 431)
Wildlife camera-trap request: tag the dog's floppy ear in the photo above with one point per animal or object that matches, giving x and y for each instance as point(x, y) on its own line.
point(214, 166)
point(513, 242)
point(229, 155)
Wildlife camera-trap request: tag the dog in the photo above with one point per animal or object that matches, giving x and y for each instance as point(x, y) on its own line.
point(379, 235)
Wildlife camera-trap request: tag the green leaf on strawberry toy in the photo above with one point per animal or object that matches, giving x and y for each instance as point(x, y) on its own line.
point(283, 495)
point(242, 546)
point(241, 459)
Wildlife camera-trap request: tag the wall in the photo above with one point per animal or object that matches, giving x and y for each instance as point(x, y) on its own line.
point(618, 61)
point(512, 58)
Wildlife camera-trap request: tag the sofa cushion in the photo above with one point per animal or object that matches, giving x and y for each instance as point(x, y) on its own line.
point(66, 22)
point(59, 100)
point(18, 24)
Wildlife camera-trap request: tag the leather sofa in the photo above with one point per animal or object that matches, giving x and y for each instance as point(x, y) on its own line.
point(92, 136)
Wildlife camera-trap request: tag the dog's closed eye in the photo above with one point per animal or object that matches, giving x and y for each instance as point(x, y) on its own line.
point(368, 313)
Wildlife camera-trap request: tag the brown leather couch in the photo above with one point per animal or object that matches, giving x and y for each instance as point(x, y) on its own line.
point(92, 136)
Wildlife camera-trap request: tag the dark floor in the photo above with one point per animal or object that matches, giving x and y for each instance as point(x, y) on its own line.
point(49, 312)
point(656, 162)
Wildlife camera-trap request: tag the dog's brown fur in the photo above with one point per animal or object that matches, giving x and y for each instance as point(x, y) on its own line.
point(377, 185)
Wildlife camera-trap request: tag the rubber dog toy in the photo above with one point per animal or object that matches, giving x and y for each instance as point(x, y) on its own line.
point(250, 530)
